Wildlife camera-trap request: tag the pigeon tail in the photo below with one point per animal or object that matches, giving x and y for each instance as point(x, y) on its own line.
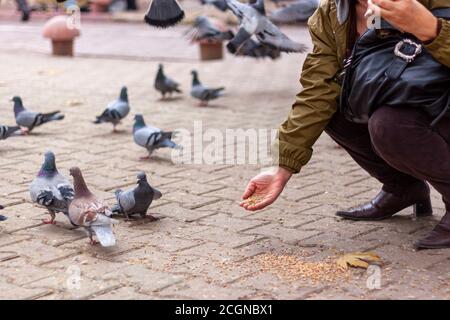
point(104, 235)
point(164, 13)
point(53, 116)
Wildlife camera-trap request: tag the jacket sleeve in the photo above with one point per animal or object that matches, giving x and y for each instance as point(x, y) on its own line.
point(317, 102)
point(440, 47)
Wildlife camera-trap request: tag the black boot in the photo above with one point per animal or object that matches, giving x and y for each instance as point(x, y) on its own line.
point(385, 204)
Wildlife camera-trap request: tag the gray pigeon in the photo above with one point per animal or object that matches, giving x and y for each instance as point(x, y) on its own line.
point(137, 200)
point(203, 29)
point(151, 138)
point(219, 4)
point(51, 189)
point(203, 93)
point(255, 49)
point(2, 218)
point(164, 84)
point(28, 120)
point(116, 110)
point(299, 11)
point(87, 211)
point(6, 131)
point(254, 22)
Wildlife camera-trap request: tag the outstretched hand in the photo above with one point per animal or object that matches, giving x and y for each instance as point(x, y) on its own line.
point(264, 189)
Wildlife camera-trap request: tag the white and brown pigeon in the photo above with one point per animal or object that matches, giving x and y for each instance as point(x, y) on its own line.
point(253, 21)
point(51, 189)
point(28, 120)
point(87, 211)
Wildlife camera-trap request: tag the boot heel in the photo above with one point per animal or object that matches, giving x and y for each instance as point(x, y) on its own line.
point(423, 208)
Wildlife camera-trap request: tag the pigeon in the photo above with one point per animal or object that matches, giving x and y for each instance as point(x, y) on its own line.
point(2, 218)
point(164, 13)
point(203, 93)
point(255, 49)
point(28, 120)
point(137, 200)
point(87, 211)
point(116, 110)
point(6, 131)
point(254, 22)
point(219, 4)
point(151, 138)
point(164, 84)
point(51, 189)
point(299, 11)
point(205, 30)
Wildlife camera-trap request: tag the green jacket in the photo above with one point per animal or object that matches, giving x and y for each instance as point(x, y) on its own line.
point(318, 101)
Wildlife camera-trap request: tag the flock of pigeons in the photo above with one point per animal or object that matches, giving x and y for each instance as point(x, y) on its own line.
point(257, 36)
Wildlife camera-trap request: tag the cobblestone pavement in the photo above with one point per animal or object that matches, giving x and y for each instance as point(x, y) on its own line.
point(204, 245)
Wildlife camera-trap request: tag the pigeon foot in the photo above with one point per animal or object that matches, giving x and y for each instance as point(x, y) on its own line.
point(25, 131)
point(49, 221)
point(151, 218)
point(145, 158)
point(93, 242)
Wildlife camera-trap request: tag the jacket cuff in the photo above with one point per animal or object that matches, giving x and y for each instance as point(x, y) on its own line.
point(293, 166)
point(439, 46)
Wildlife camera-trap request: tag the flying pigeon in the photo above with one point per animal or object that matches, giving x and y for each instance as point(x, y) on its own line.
point(255, 49)
point(298, 11)
point(219, 4)
point(151, 138)
point(28, 120)
point(137, 200)
point(6, 131)
point(116, 110)
point(254, 22)
point(51, 189)
point(87, 211)
point(203, 93)
point(164, 84)
point(2, 218)
point(204, 29)
point(164, 13)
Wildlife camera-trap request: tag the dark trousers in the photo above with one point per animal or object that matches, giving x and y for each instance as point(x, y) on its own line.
point(398, 148)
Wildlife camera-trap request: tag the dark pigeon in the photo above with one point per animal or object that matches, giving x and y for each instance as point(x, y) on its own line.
point(51, 189)
point(164, 13)
point(138, 199)
point(164, 84)
point(28, 120)
point(202, 93)
point(116, 110)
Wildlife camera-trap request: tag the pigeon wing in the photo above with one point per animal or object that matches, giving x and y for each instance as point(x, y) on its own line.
point(271, 36)
point(127, 200)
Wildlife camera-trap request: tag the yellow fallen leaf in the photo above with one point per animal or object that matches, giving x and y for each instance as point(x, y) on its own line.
point(357, 259)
